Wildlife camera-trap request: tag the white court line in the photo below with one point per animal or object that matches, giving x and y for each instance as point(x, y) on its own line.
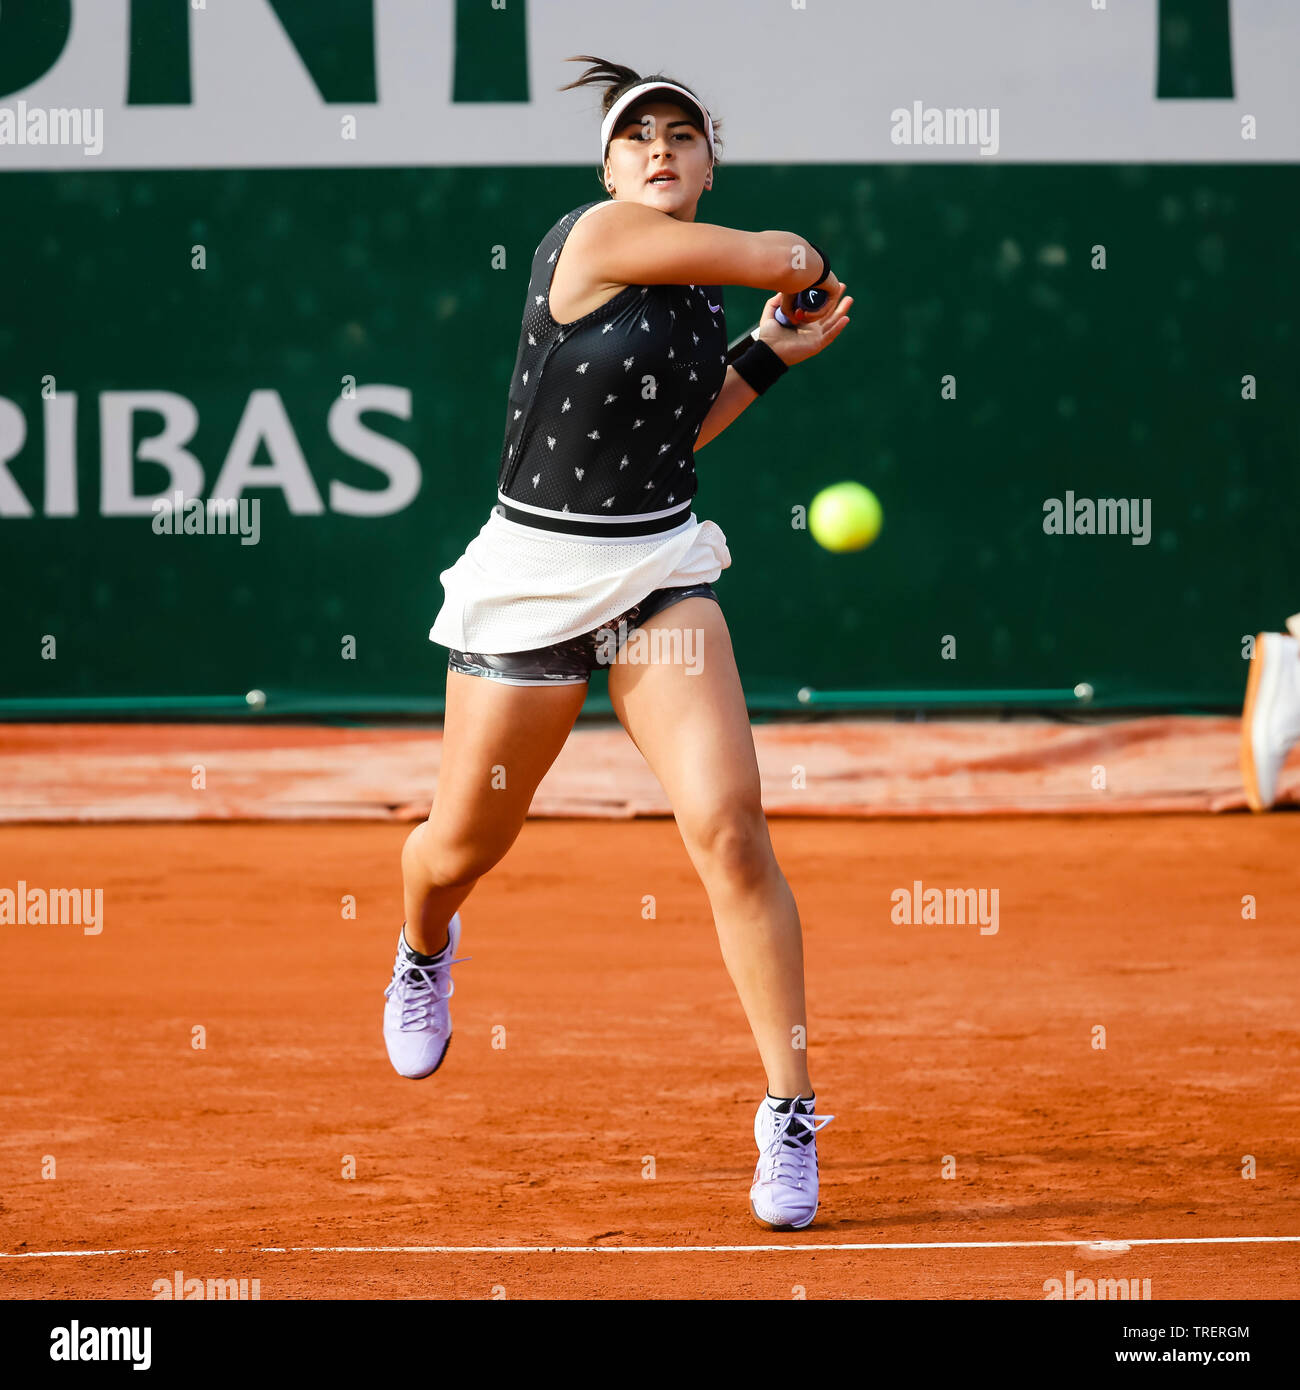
point(1101, 1246)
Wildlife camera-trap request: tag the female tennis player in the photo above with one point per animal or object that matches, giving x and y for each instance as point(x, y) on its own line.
point(620, 378)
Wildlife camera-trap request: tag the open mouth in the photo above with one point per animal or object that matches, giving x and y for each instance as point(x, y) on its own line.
point(663, 178)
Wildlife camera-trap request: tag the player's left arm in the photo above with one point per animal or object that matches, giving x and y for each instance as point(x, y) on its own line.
point(791, 345)
point(731, 401)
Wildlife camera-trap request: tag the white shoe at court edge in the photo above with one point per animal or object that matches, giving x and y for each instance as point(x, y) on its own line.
point(1270, 720)
point(417, 1016)
point(784, 1194)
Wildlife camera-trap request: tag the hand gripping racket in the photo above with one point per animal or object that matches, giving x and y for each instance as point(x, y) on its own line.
point(811, 300)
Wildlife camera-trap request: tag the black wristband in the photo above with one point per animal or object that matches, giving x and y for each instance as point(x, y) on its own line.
point(759, 366)
point(826, 265)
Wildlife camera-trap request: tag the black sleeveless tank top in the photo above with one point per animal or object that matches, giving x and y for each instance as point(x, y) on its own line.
point(603, 412)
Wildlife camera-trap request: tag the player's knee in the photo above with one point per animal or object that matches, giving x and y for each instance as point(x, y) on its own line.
point(455, 865)
point(733, 847)
point(448, 862)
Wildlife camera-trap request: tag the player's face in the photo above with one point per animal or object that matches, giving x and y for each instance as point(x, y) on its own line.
point(660, 139)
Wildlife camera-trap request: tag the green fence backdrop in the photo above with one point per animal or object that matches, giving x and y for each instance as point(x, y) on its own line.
point(1122, 382)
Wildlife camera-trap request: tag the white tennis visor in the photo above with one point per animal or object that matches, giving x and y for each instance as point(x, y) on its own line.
point(638, 93)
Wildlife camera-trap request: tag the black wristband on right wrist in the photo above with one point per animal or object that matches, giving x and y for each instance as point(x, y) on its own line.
point(759, 366)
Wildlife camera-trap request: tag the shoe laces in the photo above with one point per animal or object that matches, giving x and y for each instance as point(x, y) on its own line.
point(791, 1146)
point(419, 989)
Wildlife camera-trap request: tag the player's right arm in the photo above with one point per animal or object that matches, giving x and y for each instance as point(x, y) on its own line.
point(632, 244)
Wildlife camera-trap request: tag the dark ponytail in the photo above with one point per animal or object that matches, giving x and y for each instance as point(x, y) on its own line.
point(617, 78)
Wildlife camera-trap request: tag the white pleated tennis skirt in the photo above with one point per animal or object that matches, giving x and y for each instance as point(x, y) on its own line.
point(517, 587)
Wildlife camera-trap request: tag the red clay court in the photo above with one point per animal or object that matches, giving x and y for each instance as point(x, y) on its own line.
point(593, 1048)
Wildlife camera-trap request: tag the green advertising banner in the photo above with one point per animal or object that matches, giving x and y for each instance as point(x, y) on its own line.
point(1071, 381)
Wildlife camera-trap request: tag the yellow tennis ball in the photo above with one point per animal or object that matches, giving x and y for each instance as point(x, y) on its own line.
point(845, 516)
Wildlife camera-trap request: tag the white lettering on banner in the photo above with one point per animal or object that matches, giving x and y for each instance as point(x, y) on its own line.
point(13, 435)
point(61, 454)
point(397, 463)
point(1073, 84)
point(119, 453)
point(263, 426)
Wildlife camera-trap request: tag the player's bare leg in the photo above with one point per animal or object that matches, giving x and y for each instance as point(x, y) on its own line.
point(694, 732)
point(498, 743)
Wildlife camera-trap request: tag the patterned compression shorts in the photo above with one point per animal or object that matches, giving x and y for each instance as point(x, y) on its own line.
point(573, 661)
